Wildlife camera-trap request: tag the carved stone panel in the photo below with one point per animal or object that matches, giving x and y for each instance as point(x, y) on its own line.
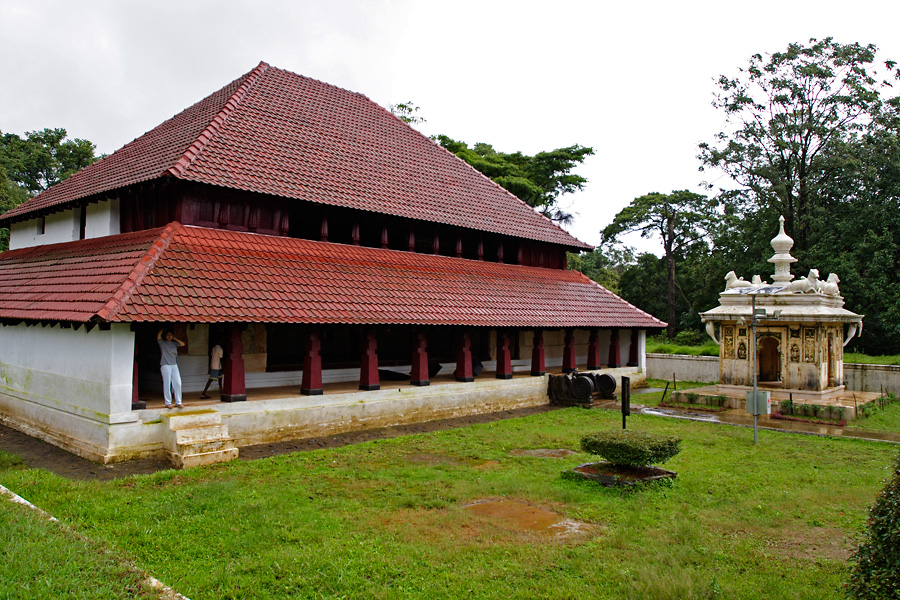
point(809, 345)
point(728, 341)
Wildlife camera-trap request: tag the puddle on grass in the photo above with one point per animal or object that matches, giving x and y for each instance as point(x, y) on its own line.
point(528, 518)
point(544, 452)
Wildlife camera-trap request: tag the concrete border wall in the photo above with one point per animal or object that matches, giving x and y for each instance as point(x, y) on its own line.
point(857, 378)
point(685, 368)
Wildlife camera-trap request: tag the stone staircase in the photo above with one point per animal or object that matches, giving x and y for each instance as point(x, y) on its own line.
point(197, 437)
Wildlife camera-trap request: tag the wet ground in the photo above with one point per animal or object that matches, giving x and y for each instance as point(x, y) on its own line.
point(41, 455)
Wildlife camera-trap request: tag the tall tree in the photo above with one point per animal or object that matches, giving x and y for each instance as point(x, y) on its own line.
point(31, 164)
point(406, 112)
point(537, 180)
point(681, 219)
point(792, 116)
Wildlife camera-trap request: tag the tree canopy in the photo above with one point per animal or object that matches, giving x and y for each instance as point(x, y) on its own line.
point(681, 219)
point(537, 180)
point(31, 164)
point(793, 118)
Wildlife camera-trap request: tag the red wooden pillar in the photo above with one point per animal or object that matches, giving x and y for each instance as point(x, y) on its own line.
point(500, 253)
point(504, 360)
point(537, 354)
point(233, 384)
point(384, 237)
point(311, 385)
point(593, 361)
point(412, 239)
point(459, 246)
point(614, 359)
point(436, 243)
point(633, 348)
point(354, 232)
point(480, 249)
point(569, 352)
point(136, 403)
point(368, 368)
point(464, 359)
point(323, 230)
point(419, 373)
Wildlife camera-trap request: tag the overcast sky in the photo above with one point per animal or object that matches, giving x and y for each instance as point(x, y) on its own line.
point(634, 80)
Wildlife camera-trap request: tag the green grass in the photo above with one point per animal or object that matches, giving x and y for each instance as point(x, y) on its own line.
point(386, 519)
point(709, 348)
point(41, 560)
point(864, 359)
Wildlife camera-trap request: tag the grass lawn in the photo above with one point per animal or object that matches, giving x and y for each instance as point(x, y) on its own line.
point(387, 519)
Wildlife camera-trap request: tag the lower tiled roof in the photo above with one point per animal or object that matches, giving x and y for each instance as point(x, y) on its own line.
point(194, 274)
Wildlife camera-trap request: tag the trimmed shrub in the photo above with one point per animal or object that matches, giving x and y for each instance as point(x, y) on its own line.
point(631, 448)
point(876, 574)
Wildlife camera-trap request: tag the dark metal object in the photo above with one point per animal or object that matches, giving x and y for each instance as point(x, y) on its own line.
point(580, 388)
point(626, 399)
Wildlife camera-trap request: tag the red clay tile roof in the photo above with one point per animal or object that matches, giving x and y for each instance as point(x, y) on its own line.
point(194, 274)
point(276, 132)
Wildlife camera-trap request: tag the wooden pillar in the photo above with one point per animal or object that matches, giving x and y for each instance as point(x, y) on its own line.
point(436, 243)
point(614, 359)
point(593, 360)
point(354, 233)
point(500, 253)
point(463, 370)
point(504, 361)
point(412, 239)
point(136, 403)
point(459, 246)
point(633, 348)
point(311, 385)
point(233, 384)
point(323, 230)
point(569, 352)
point(537, 354)
point(480, 248)
point(368, 368)
point(419, 373)
point(384, 237)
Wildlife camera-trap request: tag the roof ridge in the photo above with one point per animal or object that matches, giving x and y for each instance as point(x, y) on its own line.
point(212, 129)
point(144, 265)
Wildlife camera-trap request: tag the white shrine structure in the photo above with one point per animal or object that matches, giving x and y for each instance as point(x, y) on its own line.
point(801, 330)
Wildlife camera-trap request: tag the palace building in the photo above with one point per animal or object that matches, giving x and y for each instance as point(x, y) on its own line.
point(356, 273)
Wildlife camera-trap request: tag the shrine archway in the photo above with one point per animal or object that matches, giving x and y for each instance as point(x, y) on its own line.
point(769, 359)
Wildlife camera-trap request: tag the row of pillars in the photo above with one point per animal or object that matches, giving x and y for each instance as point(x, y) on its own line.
point(234, 389)
point(368, 373)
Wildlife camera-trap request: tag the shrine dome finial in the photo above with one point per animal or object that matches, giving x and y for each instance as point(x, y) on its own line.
point(782, 244)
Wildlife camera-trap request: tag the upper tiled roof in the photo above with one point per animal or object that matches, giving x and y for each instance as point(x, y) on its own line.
point(276, 132)
point(193, 274)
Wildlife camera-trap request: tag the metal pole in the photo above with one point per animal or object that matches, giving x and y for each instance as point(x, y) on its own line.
point(753, 364)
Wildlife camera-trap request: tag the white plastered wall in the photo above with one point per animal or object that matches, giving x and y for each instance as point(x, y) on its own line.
point(69, 387)
point(65, 226)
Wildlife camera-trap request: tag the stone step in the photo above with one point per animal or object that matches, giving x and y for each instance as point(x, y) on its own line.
point(205, 458)
point(203, 447)
point(201, 434)
point(189, 419)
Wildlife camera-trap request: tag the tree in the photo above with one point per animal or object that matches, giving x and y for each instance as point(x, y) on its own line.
point(876, 574)
point(794, 116)
point(406, 112)
point(681, 219)
point(537, 180)
point(603, 265)
point(32, 164)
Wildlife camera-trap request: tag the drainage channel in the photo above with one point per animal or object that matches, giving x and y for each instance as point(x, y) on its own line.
point(165, 592)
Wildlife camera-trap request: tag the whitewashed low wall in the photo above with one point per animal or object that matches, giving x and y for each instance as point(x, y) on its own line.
point(858, 378)
point(872, 378)
point(685, 368)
